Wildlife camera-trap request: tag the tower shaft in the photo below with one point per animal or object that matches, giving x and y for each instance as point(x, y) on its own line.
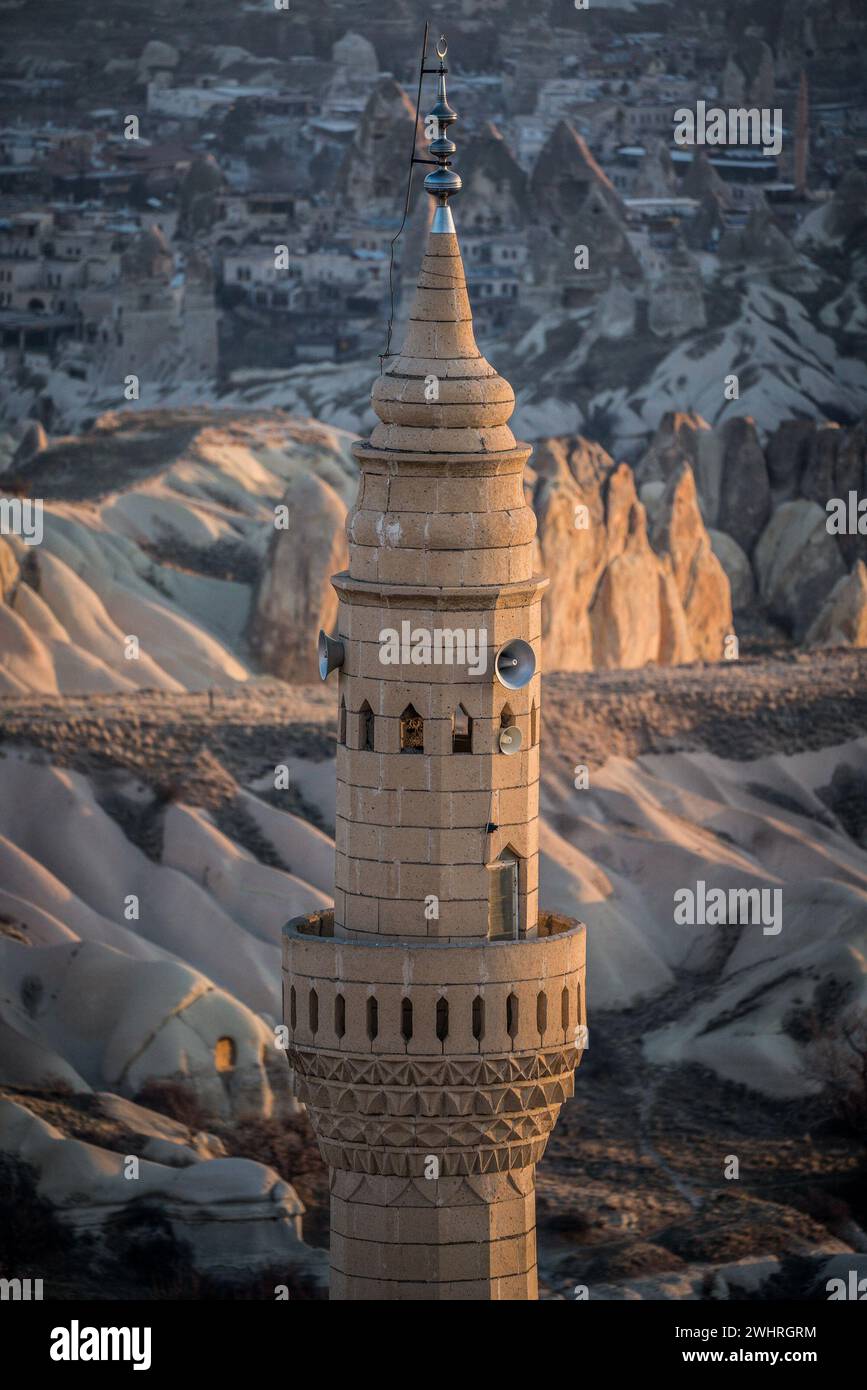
point(436, 1016)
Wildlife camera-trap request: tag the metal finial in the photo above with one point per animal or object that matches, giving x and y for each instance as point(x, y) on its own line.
point(443, 182)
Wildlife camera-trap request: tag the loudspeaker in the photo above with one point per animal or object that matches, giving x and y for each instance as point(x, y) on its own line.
point(331, 654)
point(510, 739)
point(515, 664)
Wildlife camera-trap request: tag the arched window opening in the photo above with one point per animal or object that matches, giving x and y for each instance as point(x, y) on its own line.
point(293, 1009)
point(365, 728)
point(564, 1009)
point(339, 1015)
point(341, 735)
point(225, 1054)
point(503, 899)
point(442, 1019)
point(512, 1016)
point(478, 1018)
point(406, 1019)
point(541, 1012)
point(534, 725)
point(313, 1011)
point(411, 731)
point(372, 1018)
point(462, 731)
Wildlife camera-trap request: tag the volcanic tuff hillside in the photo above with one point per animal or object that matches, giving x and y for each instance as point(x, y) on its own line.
point(156, 526)
point(757, 770)
point(748, 774)
point(161, 526)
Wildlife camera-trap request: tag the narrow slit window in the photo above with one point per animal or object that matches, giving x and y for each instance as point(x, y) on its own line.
point(293, 1009)
point(462, 731)
point(406, 1019)
point(564, 1009)
point(442, 1019)
point(478, 1018)
point(313, 1011)
point(534, 725)
point(372, 1018)
point(365, 728)
point(342, 727)
point(512, 1016)
point(339, 1015)
point(411, 731)
point(541, 1012)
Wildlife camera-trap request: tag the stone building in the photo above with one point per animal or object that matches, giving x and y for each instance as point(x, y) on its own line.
point(436, 1015)
point(151, 320)
point(128, 322)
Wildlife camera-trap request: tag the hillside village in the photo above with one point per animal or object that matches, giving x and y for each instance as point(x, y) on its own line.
point(221, 221)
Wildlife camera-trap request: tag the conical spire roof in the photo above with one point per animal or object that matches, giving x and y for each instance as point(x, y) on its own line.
point(440, 395)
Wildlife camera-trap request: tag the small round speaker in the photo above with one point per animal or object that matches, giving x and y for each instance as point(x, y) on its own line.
point(510, 739)
point(515, 665)
point(331, 654)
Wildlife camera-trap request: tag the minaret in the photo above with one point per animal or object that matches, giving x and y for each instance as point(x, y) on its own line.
point(437, 1016)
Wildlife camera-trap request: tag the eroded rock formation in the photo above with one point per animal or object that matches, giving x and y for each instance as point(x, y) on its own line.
point(843, 620)
point(295, 597)
point(621, 597)
point(783, 515)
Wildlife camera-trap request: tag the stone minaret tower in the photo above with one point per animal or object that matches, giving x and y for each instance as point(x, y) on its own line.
point(436, 1016)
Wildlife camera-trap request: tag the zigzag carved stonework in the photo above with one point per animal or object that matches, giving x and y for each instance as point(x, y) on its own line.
point(460, 1190)
point(412, 1163)
point(387, 1115)
point(366, 1070)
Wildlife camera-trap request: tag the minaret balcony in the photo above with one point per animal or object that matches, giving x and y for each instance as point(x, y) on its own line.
point(406, 1052)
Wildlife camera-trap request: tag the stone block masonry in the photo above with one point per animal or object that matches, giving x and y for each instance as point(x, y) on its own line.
point(436, 1016)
